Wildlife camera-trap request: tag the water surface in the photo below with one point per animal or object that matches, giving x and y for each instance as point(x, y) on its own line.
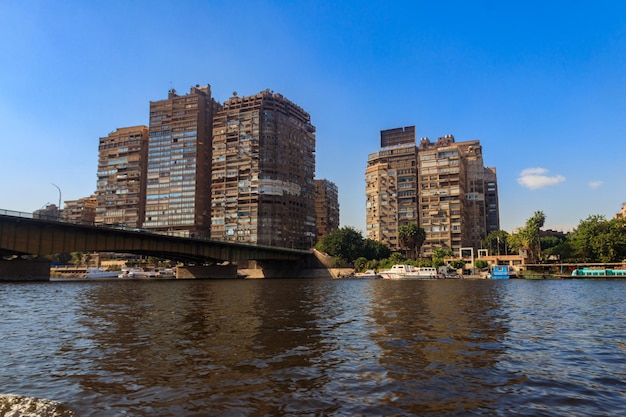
point(317, 347)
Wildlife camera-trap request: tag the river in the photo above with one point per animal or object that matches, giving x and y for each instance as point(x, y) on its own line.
point(303, 347)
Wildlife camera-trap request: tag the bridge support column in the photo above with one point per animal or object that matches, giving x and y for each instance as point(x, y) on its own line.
point(285, 269)
point(17, 270)
point(211, 271)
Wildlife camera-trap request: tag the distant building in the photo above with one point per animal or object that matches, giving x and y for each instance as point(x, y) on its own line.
point(622, 213)
point(178, 180)
point(263, 167)
point(81, 211)
point(492, 205)
point(49, 212)
point(326, 207)
point(443, 187)
point(121, 188)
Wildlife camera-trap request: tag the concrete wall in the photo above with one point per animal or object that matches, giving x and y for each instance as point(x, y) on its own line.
point(212, 271)
point(24, 270)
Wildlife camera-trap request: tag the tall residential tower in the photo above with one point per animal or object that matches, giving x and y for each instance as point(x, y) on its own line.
point(443, 187)
point(121, 187)
point(179, 163)
point(263, 168)
point(326, 207)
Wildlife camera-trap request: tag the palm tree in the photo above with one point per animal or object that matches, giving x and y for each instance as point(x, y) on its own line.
point(528, 237)
point(412, 237)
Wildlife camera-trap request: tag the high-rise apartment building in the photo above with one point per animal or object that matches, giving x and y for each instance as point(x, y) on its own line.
point(492, 206)
point(121, 188)
point(178, 177)
point(391, 186)
point(442, 186)
point(263, 168)
point(326, 207)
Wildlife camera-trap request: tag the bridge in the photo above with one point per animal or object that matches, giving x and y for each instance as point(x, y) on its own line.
point(22, 234)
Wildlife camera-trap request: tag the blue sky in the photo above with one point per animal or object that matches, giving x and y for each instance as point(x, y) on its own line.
point(540, 84)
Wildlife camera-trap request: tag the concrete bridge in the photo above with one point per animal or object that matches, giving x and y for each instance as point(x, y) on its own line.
point(21, 234)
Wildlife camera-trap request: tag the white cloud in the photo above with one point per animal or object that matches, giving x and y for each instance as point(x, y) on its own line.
point(535, 178)
point(595, 184)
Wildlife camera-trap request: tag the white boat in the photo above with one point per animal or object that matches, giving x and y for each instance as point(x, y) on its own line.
point(165, 273)
point(409, 272)
point(100, 273)
point(370, 273)
point(136, 272)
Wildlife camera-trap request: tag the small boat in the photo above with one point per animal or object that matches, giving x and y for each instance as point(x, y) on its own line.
point(499, 272)
point(409, 272)
point(136, 272)
point(596, 273)
point(370, 273)
point(100, 273)
point(166, 273)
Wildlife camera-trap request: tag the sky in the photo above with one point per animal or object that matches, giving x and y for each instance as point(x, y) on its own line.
point(541, 84)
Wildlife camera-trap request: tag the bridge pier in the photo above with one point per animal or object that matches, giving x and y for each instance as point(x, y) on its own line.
point(307, 268)
point(211, 271)
point(18, 270)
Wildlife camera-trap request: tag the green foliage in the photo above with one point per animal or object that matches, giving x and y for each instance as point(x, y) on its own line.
point(373, 249)
point(397, 258)
point(412, 237)
point(481, 263)
point(77, 258)
point(497, 242)
point(345, 243)
point(360, 264)
point(439, 254)
point(527, 237)
point(599, 240)
point(562, 251)
point(348, 244)
point(457, 264)
point(548, 242)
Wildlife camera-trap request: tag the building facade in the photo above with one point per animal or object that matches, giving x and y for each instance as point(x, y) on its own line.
point(263, 167)
point(441, 186)
point(391, 186)
point(121, 187)
point(178, 185)
point(81, 211)
point(326, 207)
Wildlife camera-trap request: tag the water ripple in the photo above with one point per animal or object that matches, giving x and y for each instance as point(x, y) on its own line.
point(317, 347)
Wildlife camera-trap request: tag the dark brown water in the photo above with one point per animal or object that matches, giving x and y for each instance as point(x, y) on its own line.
point(318, 347)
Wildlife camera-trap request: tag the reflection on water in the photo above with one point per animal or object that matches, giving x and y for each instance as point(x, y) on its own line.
point(317, 347)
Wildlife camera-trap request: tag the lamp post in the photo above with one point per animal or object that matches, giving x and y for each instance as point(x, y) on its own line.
point(57, 187)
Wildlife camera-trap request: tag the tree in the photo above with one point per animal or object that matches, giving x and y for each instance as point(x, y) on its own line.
point(373, 249)
point(440, 254)
point(599, 240)
point(527, 237)
point(345, 243)
point(497, 242)
point(481, 263)
point(457, 264)
point(412, 238)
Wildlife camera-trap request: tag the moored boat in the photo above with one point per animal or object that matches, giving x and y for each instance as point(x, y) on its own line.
point(499, 272)
point(100, 273)
point(400, 271)
point(596, 273)
point(136, 272)
point(370, 273)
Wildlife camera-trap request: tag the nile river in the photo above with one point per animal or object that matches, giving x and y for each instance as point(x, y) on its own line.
point(294, 347)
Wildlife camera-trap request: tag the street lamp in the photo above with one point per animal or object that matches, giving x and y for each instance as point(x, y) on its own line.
point(57, 187)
